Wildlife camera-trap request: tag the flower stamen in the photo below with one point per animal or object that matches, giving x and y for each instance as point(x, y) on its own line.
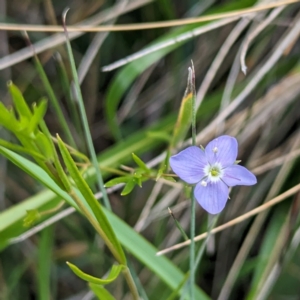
point(203, 183)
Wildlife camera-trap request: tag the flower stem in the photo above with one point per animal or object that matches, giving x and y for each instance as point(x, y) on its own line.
point(192, 247)
point(193, 208)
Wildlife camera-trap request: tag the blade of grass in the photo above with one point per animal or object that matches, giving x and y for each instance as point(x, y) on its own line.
point(83, 116)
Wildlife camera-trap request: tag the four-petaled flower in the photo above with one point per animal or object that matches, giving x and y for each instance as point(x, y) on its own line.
point(213, 171)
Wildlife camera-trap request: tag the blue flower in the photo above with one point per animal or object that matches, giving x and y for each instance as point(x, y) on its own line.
point(213, 171)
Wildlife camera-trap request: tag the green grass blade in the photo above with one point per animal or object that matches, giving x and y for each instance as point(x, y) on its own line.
point(84, 120)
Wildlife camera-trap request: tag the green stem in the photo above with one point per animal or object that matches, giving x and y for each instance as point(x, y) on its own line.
point(193, 206)
point(84, 120)
point(192, 247)
point(131, 284)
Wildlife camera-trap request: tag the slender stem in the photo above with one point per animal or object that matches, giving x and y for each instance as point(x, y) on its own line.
point(131, 284)
point(84, 117)
point(192, 247)
point(193, 206)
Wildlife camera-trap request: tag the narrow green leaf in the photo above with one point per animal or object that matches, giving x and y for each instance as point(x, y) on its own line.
point(115, 181)
point(85, 124)
point(140, 163)
point(169, 178)
point(39, 111)
point(128, 187)
point(44, 145)
point(113, 274)
point(91, 200)
point(101, 292)
point(19, 102)
point(8, 120)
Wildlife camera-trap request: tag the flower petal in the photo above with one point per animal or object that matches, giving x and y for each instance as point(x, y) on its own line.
point(223, 150)
point(212, 197)
point(189, 163)
point(238, 175)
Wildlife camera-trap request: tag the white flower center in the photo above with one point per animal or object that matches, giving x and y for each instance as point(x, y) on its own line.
point(213, 172)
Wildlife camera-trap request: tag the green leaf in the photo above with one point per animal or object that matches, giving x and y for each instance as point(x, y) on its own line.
point(101, 292)
point(19, 102)
point(169, 178)
point(8, 120)
point(44, 145)
point(113, 274)
point(140, 163)
point(128, 187)
point(118, 180)
point(92, 202)
point(39, 111)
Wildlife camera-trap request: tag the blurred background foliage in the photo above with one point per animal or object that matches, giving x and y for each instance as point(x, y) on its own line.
point(133, 109)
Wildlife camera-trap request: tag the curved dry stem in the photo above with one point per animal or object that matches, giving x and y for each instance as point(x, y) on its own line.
point(255, 33)
point(142, 26)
